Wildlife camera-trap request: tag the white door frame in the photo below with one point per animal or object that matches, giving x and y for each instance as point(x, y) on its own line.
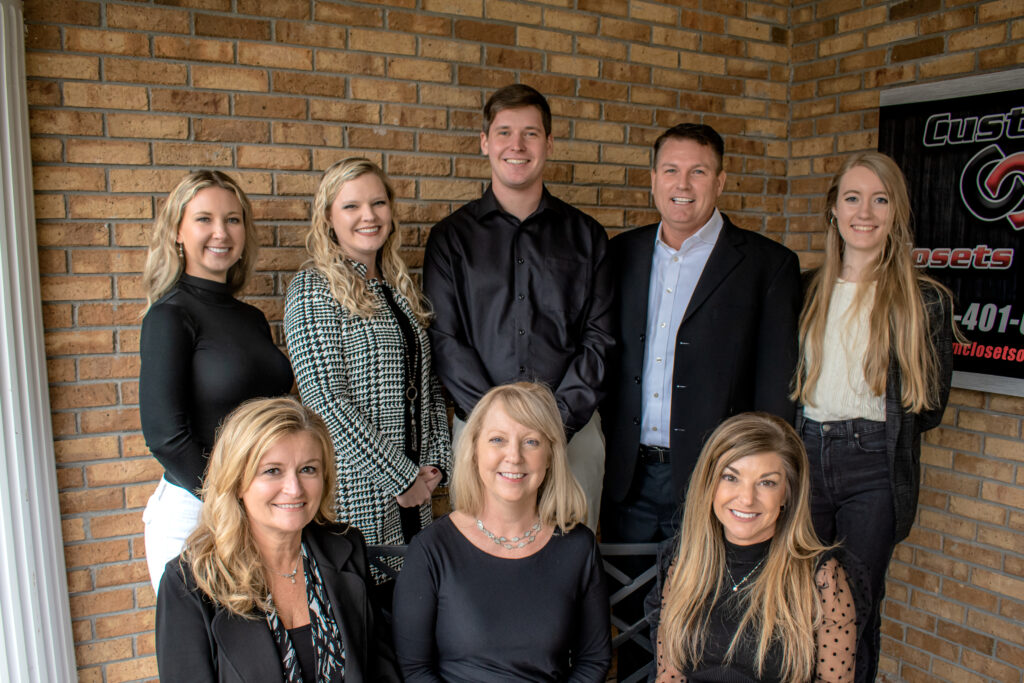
point(36, 644)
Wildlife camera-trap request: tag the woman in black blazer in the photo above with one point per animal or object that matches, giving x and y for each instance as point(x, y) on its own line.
point(268, 587)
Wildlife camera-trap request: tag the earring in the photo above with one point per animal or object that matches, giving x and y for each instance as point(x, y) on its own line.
point(181, 251)
point(831, 219)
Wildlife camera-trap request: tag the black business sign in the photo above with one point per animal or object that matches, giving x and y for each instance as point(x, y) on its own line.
point(961, 145)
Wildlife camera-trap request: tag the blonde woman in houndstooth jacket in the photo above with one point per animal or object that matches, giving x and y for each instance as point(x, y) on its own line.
point(355, 326)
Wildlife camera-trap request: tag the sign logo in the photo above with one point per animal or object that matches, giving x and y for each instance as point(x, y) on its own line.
point(992, 186)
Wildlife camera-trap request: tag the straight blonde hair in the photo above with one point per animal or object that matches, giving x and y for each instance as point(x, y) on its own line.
point(164, 264)
point(898, 321)
point(225, 561)
point(782, 604)
point(561, 501)
point(347, 285)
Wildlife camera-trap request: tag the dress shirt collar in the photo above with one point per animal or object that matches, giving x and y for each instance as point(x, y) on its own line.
point(708, 234)
point(488, 204)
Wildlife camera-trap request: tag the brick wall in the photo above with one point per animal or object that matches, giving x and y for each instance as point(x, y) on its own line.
point(956, 586)
point(127, 96)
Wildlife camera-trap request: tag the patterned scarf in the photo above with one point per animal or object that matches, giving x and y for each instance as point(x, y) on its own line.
point(328, 649)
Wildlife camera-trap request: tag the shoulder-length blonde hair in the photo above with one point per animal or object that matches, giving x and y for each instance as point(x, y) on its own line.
point(782, 604)
point(327, 256)
point(898, 321)
point(164, 264)
point(225, 561)
point(560, 500)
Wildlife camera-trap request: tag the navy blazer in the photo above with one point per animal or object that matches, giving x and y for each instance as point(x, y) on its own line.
point(198, 641)
point(736, 347)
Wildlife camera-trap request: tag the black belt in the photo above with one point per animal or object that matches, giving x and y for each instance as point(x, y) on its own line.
point(654, 455)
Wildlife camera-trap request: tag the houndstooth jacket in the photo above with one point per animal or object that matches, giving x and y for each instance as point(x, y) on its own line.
point(351, 372)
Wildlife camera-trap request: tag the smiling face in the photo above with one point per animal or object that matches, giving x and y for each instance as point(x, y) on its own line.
point(360, 217)
point(862, 213)
point(686, 183)
point(517, 148)
point(749, 497)
point(212, 233)
point(285, 494)
point(512, 459)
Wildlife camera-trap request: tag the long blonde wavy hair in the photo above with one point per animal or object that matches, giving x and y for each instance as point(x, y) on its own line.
point(164, 265)
point(781, 605)
point(327, 256)
point(225, 561)
point(560, 501)
point(898, 320)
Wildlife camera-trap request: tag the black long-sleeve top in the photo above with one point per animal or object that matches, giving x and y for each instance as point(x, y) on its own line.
point(203, 354)
point(841, 586)
point(462, 615)
point(520, 300)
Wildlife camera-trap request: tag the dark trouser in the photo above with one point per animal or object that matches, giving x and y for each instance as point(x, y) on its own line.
point(851, 502)
point(649, 513)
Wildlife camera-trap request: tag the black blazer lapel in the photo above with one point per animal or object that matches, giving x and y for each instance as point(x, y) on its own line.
point(248, 647)
point(635, 280)
point(725, 256)
point(346, 592)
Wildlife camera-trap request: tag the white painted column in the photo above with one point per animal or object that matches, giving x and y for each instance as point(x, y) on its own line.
point(36, 644)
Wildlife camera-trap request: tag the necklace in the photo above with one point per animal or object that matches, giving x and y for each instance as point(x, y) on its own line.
point(528, 537)
point(737, 584)
point(291, 576)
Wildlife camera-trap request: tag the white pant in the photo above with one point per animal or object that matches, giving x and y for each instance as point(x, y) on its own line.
point(586, 460)
point(171, 514)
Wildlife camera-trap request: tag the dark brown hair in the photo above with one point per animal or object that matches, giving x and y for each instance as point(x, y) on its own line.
point(516, 96)
point(698, 132)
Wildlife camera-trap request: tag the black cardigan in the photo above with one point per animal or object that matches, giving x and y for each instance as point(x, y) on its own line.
point(903, 429)
point(198, 641)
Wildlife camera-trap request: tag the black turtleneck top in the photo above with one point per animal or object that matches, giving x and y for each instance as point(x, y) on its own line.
point(204, 353)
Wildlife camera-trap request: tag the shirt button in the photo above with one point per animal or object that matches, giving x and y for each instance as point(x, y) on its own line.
point(522, 332)
point(662, 325)
point(636, 379)
point(655, 394)
point(520, 261)
point(522, 370)
point(521, 297)
point(636, 420)
point(658, 359)
point(675, 259)
point(654, 429)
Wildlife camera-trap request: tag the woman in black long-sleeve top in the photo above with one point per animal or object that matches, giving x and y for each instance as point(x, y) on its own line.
point(203, 352)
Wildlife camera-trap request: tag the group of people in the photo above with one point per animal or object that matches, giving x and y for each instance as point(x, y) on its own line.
point(683, 365)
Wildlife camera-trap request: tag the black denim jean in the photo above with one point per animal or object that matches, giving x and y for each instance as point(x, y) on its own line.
point(851, 503)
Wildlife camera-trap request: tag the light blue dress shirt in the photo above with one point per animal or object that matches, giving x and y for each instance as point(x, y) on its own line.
point(674, 276)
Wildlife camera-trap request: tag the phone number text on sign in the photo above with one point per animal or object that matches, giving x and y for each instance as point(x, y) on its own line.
point(986, 317)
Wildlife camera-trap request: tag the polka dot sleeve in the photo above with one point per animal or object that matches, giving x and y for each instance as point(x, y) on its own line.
point(666, 673)
point(836, 636)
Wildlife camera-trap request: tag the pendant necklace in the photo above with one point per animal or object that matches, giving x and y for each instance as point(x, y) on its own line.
point(737, 584)
point(528, 537)
point(291, 577)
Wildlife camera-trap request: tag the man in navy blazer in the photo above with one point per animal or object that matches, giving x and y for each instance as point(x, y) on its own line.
point(707, 328)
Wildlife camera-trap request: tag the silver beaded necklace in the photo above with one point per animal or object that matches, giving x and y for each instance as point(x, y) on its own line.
point(528, 537)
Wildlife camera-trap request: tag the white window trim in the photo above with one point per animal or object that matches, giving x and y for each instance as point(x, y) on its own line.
point(36, 642)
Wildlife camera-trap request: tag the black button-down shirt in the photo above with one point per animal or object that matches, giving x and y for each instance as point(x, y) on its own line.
point(520, 300)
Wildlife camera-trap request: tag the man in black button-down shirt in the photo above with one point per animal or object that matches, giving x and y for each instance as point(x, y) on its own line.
point(519, 284)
